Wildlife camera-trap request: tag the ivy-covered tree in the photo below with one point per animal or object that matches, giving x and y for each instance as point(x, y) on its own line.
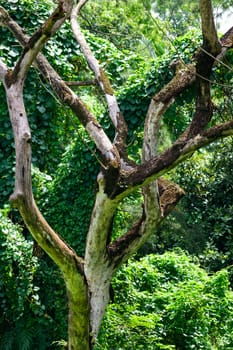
point(88, 278)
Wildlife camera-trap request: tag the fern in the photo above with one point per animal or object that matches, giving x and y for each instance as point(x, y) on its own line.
point(40, 342)
point(24, 338)
point(60, 344)
point(7, 340)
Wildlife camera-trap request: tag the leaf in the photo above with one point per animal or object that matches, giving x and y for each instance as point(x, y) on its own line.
point(41, 109)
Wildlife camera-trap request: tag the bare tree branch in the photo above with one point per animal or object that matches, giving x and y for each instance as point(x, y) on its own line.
point(184, 77)
point(158, 199)
point(103, 81)
point(161, 198)
point(66, 95)
point(22, 197)
point(169, 159)
point(80, 83)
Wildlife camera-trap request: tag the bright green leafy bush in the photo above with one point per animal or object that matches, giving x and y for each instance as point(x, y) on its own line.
point(168, 302)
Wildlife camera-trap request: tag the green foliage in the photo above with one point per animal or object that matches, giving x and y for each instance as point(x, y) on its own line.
point(127, 213)
point(134, 97)
point(52, 126)
point(17, 291)
point(127, 24)
point(202, 222)
point(209, 204)
point(119, 64)
point(29, 13)
point(168, 302)
point(178, 17)
point(17, 269)
point(71, 195)
point(31, 313)
point(47, 140)
point(45, 118)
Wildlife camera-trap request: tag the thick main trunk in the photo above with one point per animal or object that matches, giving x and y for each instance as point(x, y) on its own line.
point(98, 268)
point(86, 307)
point(79, 335)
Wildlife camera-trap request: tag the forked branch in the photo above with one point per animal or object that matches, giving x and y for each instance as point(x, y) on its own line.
point(66, 95)
point(22, 197)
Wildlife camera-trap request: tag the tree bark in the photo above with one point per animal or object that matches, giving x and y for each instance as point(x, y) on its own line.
point(88, 280)
point(98, 270)
point(79, 330)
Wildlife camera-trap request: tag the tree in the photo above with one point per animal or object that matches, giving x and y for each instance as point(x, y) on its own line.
point(180, 16)
point(88, 278)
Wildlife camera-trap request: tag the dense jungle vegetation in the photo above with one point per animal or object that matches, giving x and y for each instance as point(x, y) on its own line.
point(176, 290)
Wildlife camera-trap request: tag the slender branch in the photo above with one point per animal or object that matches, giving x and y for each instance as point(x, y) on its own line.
point(66, 95)
point(184, 77)
point(80, 83)
point(80, 4)
point(169, 195)
point(22, 197)
point(102, 79)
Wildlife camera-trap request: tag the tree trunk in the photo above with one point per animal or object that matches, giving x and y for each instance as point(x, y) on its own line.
point(79, 337)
